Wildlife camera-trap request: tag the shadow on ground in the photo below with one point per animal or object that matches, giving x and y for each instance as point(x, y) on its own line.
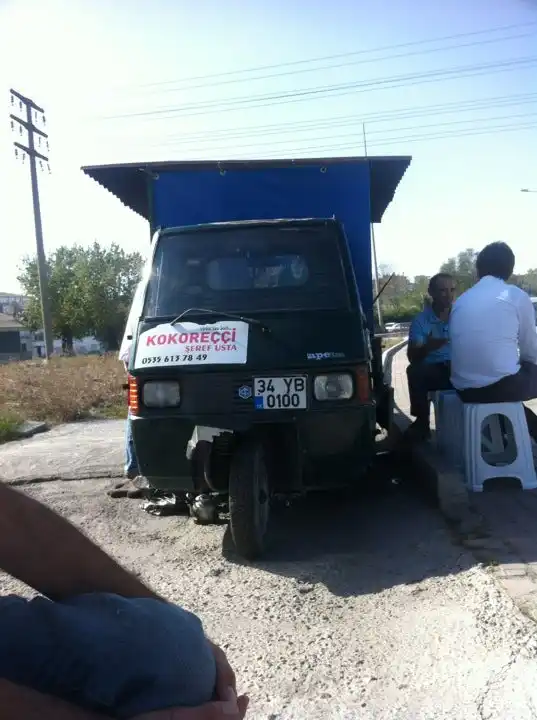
point(362, 542)
point(506, 515)
point(510, 522)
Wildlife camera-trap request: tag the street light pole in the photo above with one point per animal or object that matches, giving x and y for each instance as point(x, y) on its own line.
point(374, 250)
point(33, 155)
point(527, 190)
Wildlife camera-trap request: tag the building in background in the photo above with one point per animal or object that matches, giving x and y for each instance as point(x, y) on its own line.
point(12, 304)
point(15, 340)
point(81, 346)
point(32, 344)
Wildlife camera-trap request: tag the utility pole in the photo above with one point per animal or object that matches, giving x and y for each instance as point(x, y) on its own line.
point(32, 110)
point(374, 249)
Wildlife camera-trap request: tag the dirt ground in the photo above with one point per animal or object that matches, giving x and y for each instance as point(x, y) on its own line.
point(363, 608)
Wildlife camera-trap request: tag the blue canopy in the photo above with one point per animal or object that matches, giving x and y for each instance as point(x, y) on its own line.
point(356, 191)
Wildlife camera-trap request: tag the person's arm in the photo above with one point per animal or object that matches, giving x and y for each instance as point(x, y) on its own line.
point(420, 343)
point(232, 708)
point(50, 555)
point(21, 703)
point(527, 333)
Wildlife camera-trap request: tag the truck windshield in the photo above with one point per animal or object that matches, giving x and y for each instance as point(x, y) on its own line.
point(249, 268)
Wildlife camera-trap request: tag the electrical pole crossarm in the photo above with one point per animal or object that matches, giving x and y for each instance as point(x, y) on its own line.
point(31, 152)
point(28, 127)
point(26, 101)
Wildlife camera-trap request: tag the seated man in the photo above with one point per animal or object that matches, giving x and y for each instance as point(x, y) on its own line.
point(493, 336)
point(429, 353)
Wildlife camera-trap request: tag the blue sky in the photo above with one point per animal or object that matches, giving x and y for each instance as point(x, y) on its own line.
point(98, 67)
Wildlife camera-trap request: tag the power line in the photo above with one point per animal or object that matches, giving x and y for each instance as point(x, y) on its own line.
point(32, 111)
point(338, 56)
point(384, 136)
point(409, 138)
point(350, 120)
point(396, 81)
point(382, 132)
point(342, 120)
point(348, 63)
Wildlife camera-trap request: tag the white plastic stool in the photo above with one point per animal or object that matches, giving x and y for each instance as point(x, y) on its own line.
point(507, 454)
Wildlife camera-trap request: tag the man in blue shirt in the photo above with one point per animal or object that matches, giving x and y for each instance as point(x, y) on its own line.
point(429, 352)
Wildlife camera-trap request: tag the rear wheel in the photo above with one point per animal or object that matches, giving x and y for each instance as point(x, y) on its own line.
point(249, 499)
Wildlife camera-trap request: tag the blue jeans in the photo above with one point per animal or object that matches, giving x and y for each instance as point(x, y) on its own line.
point(120, 657)
point(131, 463)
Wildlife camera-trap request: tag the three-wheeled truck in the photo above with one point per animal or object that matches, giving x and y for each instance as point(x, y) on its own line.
point(254, 369)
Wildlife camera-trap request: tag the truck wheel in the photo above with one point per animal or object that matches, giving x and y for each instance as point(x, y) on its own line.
point(249, 499)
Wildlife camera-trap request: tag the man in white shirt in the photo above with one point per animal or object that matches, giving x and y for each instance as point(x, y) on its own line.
point(493, 336)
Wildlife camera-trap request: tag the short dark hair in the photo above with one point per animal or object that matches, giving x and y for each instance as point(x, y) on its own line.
point(433, 282)
point(496, 259)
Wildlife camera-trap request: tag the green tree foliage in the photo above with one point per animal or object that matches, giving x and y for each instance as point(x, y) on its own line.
point(90, 290)
point(108, 278)
point(402, 297)
point(462, 267)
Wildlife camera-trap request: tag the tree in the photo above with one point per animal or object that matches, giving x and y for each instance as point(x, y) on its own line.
point(404, 297)
point(462, 267)
point(527, 282)
point(109, 277)
point(68, 318)
point(90, 292)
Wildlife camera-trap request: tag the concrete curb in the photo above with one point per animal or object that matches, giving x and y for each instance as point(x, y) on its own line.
point(446, 485)
point(31, 428)
point(387, 359)
point(442, 481)
point(75, 451)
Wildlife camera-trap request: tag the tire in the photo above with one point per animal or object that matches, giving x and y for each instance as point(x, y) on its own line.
point(249, 499)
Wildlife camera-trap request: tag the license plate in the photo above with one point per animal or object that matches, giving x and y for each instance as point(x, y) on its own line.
point(283, 393)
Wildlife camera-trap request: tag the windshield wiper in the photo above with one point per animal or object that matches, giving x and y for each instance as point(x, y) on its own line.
point(230, 316)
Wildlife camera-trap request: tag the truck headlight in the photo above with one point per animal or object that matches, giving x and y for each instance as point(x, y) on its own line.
point(161, 394)
point(336, 386)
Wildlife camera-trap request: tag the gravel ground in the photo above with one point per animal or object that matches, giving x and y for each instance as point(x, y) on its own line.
point(363, 610)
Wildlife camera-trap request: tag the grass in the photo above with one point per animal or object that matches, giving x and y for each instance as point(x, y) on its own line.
point(8, 429)
point(391, 341)
point(63, 390)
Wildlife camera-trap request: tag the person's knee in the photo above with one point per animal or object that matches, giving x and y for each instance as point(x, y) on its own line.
point(411, 370)
point(415, 375)
point(106, 653)
point(160, 652)
point(27, 654)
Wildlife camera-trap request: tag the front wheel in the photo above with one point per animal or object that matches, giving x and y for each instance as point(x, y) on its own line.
point(249, 499)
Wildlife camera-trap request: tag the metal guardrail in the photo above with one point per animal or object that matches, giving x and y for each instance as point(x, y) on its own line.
point(387, 359)
point(393, 335)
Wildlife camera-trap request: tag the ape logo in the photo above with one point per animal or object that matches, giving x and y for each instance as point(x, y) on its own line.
point(245, 392)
